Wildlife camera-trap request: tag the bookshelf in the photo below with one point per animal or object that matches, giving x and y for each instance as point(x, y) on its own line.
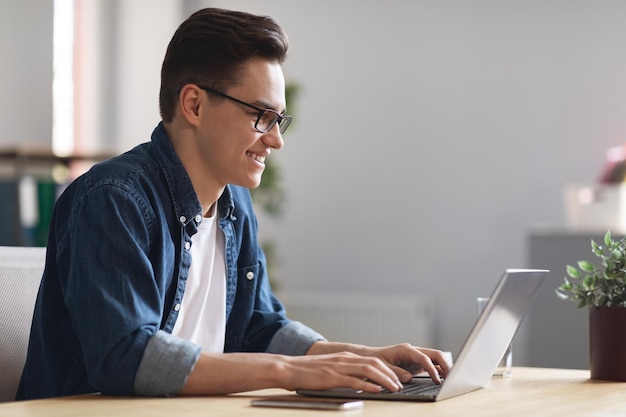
point(31, 179)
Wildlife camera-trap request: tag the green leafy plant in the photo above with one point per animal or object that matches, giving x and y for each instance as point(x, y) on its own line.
point(598, 286)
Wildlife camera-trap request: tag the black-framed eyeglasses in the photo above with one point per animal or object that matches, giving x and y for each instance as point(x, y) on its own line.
point(265, 119)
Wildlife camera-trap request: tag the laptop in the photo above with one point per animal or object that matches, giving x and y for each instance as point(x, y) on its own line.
point(489, 338)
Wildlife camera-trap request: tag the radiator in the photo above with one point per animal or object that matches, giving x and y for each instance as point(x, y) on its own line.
point(367, 318)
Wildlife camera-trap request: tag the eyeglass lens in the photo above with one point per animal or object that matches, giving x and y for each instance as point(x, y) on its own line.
point(268, 119)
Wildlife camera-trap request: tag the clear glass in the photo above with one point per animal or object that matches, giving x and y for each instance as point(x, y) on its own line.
point(505, 365)
point(266, 120)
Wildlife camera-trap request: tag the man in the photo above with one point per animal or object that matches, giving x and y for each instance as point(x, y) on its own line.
point(154, 282)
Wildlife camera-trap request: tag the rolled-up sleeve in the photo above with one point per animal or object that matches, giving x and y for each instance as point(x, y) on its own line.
point(293, 339)
point(165, 365)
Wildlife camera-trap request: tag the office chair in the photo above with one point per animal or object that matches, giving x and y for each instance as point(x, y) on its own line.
point(21, 269)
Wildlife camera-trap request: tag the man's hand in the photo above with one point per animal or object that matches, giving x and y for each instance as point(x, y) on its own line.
point(340, 370)
point(405, 360)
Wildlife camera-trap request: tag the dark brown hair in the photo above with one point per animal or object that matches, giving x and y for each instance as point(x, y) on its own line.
point(210, 47)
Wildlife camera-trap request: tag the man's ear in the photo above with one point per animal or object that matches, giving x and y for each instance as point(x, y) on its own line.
point(189, 101)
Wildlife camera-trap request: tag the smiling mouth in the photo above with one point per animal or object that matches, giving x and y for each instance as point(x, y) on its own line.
point(258, 158)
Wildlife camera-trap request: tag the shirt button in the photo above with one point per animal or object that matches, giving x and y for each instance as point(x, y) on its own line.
point(250, 275)
point(187, 245)
point(177, 307)
point(198, 219)
point(182, 219)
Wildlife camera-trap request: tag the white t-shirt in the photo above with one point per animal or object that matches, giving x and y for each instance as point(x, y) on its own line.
point(202, 316)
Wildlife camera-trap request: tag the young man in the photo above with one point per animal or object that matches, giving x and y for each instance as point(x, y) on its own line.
point(154, 281)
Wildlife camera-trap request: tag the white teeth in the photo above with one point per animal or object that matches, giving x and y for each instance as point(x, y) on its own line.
point(259, 158)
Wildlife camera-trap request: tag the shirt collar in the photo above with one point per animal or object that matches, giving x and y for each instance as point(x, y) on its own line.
point(184, 198)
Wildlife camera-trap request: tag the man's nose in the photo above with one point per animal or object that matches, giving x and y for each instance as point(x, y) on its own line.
point(273, 138)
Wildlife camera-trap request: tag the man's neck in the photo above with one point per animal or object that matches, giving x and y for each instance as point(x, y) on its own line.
point(207, 190)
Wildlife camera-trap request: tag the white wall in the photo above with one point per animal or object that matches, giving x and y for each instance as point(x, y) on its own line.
point(124, 42)
point(26, 72)
point(121, 86)
point(430, 135)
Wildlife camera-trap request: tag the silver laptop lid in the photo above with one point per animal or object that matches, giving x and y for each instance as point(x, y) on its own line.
point(486, 343)
point(493, 331)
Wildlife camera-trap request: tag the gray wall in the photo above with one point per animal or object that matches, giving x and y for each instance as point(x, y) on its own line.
point(430, 135)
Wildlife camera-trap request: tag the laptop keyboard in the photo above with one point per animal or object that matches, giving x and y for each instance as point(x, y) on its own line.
point(426, 387)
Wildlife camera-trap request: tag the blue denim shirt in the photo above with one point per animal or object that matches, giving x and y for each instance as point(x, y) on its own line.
point(116, 266)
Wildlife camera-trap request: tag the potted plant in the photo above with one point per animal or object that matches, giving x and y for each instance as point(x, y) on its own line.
point(601, 287)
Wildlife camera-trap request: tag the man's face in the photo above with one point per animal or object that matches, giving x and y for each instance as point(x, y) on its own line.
point(232, 151)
